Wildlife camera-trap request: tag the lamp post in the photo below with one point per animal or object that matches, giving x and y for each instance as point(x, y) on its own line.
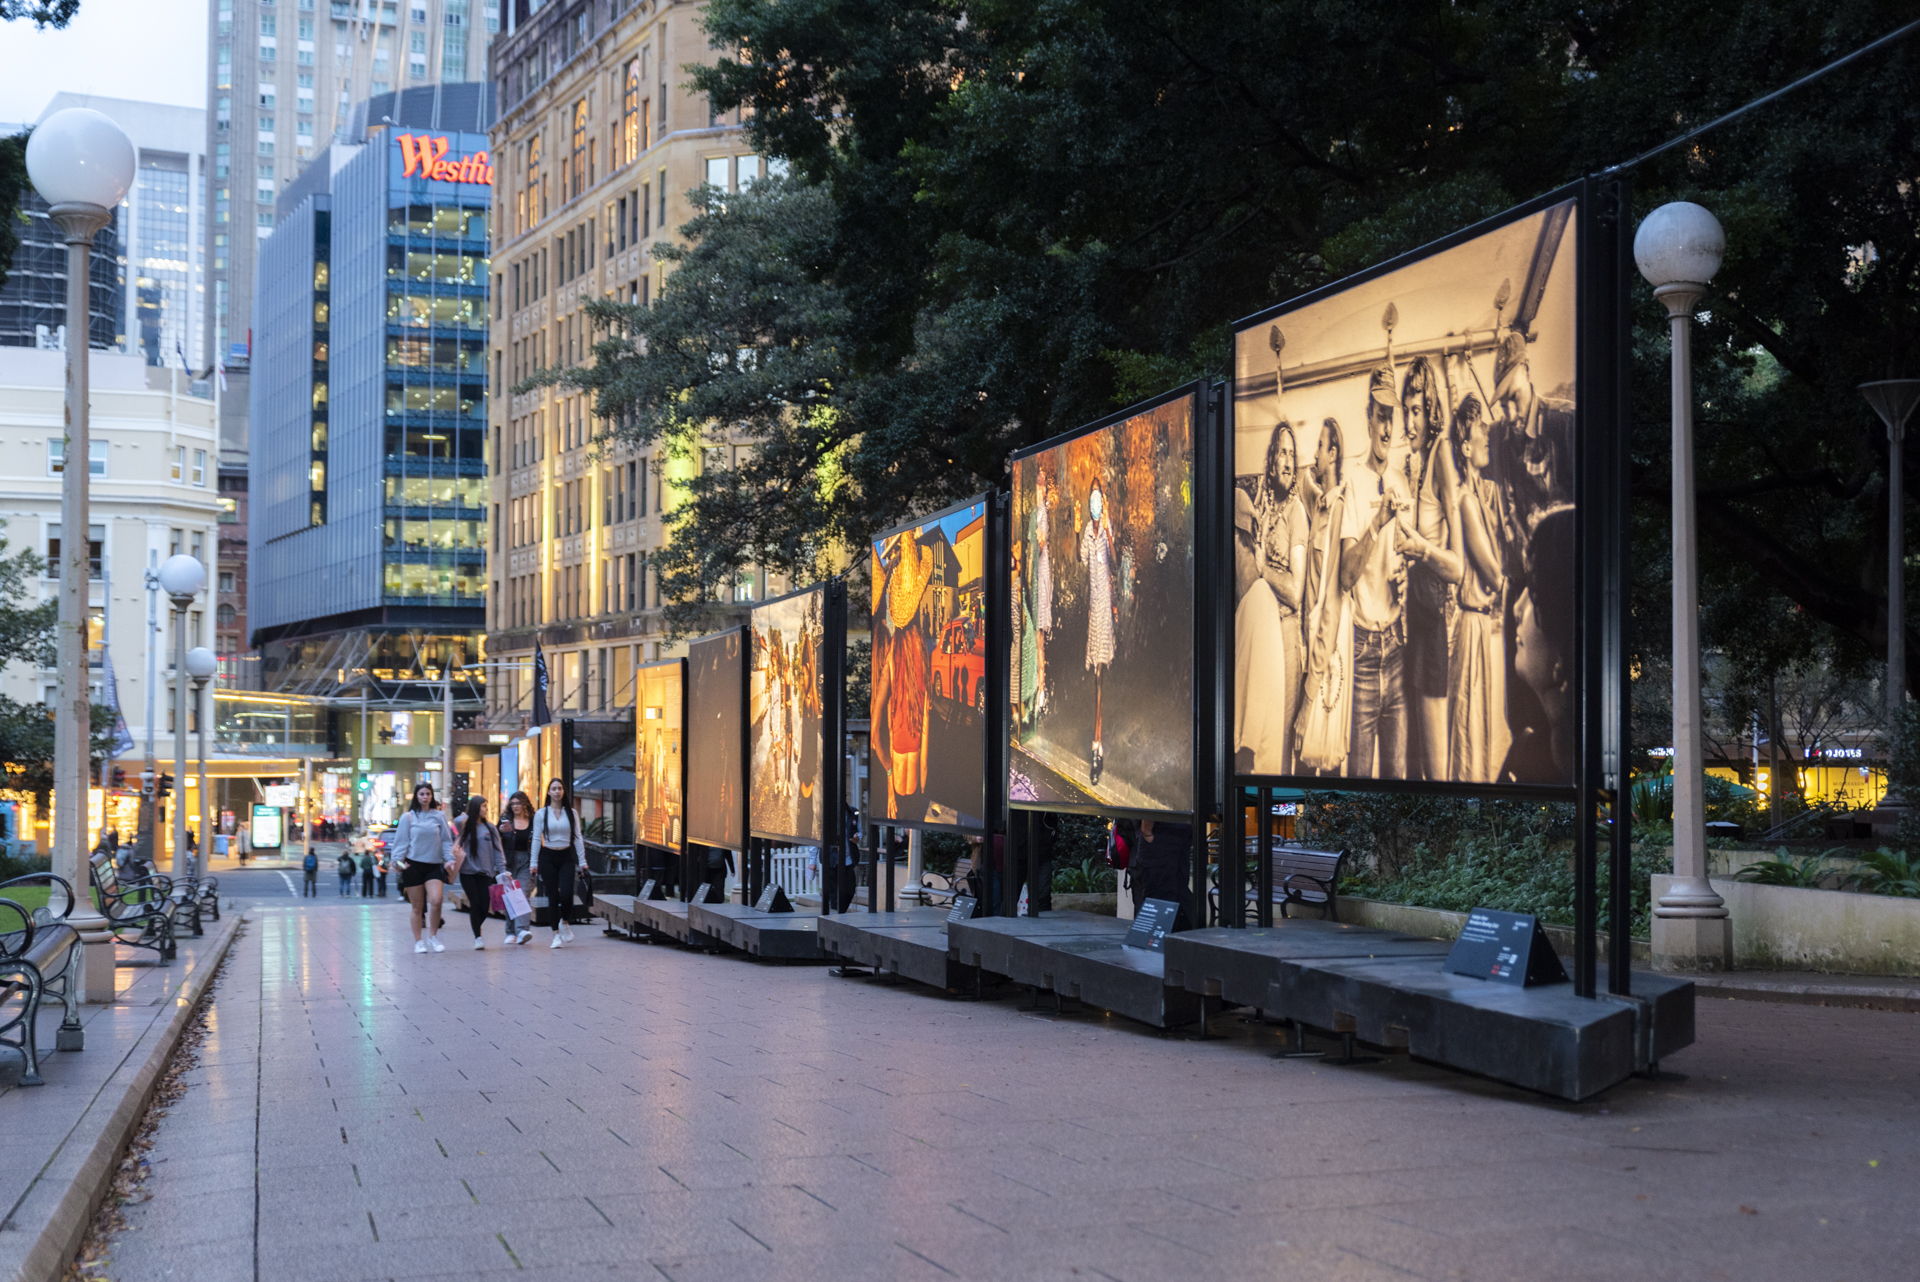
point(1893, 399)
point(201, 665)
point(1678, 248)
point(82, 164)
point(181, 578)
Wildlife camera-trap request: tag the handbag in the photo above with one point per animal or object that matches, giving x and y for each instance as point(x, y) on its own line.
point(513, 901)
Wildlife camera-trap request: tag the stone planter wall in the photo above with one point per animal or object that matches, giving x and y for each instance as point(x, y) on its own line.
point(1785, 928)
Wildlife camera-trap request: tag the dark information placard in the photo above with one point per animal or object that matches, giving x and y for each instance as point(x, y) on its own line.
point(1151, 924)
point(646, 889)
point(1508, 948)
point(773, 900)
point(963, 908)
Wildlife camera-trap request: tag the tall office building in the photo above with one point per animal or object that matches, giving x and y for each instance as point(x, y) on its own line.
point(598, 142)
point(282, 79)
point(147, 272)
point(367, 470)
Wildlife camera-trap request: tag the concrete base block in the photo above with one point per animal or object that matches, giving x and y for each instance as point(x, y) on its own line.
point(1693, 943)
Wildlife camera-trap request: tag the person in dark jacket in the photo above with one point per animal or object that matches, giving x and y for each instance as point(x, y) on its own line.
point(1159, 867)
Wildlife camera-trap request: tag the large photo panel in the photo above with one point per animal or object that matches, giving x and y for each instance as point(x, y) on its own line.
point(716, 764)
point(660, 765)
point(788, 717)
point(929, 701)
point(1101, 546)
point(1403, 520)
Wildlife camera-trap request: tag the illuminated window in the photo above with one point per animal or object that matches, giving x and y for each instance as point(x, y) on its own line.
point(578, 179)
point(632, 133)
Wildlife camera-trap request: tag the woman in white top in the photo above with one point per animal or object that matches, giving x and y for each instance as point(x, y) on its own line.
point(424, 842)
point(559, 850)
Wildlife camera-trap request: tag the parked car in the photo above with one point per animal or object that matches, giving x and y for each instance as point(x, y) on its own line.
point(960, 663)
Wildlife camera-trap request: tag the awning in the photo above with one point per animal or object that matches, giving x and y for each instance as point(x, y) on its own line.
point(605, 779)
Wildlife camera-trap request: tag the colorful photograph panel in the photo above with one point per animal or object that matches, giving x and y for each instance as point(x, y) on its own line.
point(929, 704)
point(716, 766)
point(787, 718)
point(1403, 520)
point(657, 799)
point(1101, 680)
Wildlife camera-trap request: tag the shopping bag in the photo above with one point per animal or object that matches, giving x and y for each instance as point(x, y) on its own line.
point(514, 901)
point(496, 899)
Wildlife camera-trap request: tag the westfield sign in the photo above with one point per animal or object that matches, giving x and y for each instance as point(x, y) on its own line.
point(426, 155)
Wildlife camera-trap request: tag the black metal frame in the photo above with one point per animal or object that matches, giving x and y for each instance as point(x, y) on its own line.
point(1209, 639)
point(1602, 533)
point(677, 855)
point(691, 878)
point(984, 500)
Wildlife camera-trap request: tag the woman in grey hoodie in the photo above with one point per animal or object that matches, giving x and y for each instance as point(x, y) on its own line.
point(476, 844)
point(424, 844)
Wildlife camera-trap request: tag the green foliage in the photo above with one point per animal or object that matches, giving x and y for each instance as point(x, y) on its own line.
point(13, 186)
point(1890, 872)
point(1090, 876)
point(26, 631)
point(1808, 872)
point(941, 851)
point(44, 13)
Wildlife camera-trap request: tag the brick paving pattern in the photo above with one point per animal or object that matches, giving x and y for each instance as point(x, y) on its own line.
point(623, 1110)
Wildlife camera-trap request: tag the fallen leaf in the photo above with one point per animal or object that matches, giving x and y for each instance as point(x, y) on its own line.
point(1747, 1210)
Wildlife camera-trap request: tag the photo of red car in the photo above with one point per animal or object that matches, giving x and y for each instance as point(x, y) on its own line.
point(960, 663)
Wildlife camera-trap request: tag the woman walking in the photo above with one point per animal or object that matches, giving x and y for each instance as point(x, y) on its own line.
point(559, 850)
point(424, 841)
point(477, 845)
point(516, 837)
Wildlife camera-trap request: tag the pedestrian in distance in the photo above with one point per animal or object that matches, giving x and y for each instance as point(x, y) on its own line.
point(560, 851)
point(423, 842)
point(310, 877)
point(480, 858)
point(346, 875)
point(366, 874)
point(516, 834)
point(381, 863)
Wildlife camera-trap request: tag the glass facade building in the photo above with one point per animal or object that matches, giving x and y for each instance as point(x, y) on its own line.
point(368, 415)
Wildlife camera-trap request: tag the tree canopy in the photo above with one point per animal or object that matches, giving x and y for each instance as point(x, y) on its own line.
point(1007, 218)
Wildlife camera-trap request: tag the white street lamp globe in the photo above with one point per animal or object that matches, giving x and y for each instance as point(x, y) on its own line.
point(80, 157)
point(182, 576)
point(201, 663)
point(1679, 244)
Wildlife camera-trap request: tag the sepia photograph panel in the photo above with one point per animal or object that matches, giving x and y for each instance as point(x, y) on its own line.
point(929, 700)
point(660, 779)
point(716, 764)
point(1101, 543)
point(787, 717)
point(1403, 520)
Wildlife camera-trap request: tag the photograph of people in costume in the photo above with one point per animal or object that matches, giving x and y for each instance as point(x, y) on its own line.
point(929, 702)
point(1403, 521)
point(716, 767)
point(659, 779)
point(1101, 542)
point(786, 712)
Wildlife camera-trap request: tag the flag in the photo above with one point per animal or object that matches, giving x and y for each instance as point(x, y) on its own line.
point(122, 739)
point(181, 353)
point(220, 368)
point(540, 713)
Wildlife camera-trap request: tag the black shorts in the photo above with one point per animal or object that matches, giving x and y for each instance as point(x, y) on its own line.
point(413, 874)
point(1426, 617)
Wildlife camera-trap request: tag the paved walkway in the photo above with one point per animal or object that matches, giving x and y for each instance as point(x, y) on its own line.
point(623, 1110)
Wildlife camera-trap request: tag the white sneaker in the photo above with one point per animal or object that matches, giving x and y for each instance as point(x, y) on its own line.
point(434, 942)
point(479, 942)
point(566, 932)
point(419, 945)
point(557, 941)
point(523, 937)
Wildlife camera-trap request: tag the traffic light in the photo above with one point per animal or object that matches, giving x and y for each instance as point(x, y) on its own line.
point(119, 776)
point(362, 783)
point(165, 786)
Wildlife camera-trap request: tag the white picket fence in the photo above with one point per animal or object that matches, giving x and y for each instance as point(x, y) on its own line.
point(796, 869)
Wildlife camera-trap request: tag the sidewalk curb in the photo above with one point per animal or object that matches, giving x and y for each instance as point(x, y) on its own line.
point(1893, 995)
point(55, 1243)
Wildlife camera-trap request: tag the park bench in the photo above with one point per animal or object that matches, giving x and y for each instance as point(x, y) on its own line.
point(41, 955)
point(941, 888)
point(1300, 876)
point(140, 914)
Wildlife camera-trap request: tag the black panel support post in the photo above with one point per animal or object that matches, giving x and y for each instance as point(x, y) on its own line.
point(1263, 855)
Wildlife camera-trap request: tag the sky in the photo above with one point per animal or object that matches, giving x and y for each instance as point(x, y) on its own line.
point(147, 50)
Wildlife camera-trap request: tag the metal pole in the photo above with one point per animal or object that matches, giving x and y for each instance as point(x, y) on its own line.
point(366, 750)
point(1691, 894)
point(73, 724)
point(180, 732)
point(1263, 823)
point(1896, 588)
point(203, 711)
point(446, 728)
point(306, 807)
point(152, 648)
